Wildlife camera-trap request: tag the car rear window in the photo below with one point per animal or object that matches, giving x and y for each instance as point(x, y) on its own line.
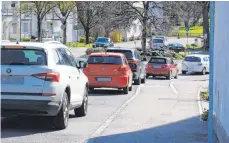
point(127, 53)
point(23, 57)
point(157, 60)
point(114, 60)
point(157, 41)
point(192, 59)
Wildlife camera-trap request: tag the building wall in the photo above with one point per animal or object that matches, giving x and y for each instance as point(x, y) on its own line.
point(221, 72)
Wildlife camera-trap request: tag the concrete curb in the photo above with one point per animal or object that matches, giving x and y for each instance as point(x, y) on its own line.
point(199, 102)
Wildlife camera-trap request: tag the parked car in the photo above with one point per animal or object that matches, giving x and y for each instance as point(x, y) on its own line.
point(109, 70)
point(177, 47)
point(103, 42)
point(196, 63)
point(42, 79)
point(160, 37)
point(156, 43)
point(162, 66)
point(135, 62)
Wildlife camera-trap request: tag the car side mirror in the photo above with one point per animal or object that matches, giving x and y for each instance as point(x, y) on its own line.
point(82, 64)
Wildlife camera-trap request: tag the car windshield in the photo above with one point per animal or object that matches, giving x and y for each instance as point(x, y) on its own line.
point(192, 59)
point(171, 45)
point(102, 40)
point(127, 53)
point(158, 60)
point(23, 57)
point(157, 41)
point(114, 60)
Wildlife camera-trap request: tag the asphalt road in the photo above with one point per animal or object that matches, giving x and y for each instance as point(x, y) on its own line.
point(156, 105)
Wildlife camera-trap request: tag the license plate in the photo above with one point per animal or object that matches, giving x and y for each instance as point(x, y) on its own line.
point(103, 79)
point(12, 80)
point(156, 66)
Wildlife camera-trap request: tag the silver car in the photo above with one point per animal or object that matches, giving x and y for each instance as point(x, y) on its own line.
point(42, 79)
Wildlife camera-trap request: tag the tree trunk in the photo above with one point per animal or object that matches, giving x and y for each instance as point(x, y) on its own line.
point(144, 24)
point(39, 37)
point(87, 35)
point(64, 33)
point(206, 25)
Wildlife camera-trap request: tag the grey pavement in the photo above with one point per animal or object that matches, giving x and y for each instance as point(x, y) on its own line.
point(160, 115)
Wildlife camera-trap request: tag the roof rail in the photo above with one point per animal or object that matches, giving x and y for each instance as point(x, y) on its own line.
point(52, 42)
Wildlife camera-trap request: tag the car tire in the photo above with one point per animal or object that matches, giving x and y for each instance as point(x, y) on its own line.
point(126, 90)
point(137, 81)
point(176, 76)
point(91, 89)
point(184, 72)
point(61, 120)
point(82, 110)
point(203, 71)
point(169, 76)
point(143, 80)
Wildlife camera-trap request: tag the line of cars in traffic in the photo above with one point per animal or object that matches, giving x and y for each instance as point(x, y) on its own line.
point(45, 79)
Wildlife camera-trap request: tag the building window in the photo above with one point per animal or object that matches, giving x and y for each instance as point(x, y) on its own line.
point(25, 27)
point(14, 26)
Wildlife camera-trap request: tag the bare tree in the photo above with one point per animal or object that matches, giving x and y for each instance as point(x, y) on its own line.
point(63, 10)
point(89, 15)
point(40, 9)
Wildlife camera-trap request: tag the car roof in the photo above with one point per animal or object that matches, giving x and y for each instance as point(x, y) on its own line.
point(106, 54)
point(36, 45)
point(121, 48)
point(197, 55)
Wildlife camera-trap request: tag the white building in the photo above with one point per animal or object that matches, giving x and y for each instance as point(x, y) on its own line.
point(51, 25)
point(220, 72)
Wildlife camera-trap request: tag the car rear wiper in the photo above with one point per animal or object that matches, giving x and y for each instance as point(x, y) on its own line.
point(16, 63)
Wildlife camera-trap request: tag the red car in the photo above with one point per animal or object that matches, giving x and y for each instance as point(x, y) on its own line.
point(162, 66)
point(109, 70)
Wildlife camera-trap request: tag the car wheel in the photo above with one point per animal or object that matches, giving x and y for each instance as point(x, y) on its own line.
point(203, 71)
point(91, 89)
point(169, 76)
point(126, 90)
point(61, 120)
point(82, 110)
point(143, 80)
point(137, 81)
point(176, 76)
point(184, 72)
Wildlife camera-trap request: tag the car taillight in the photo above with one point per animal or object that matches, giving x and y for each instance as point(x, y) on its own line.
point(53, 77)
point(165, 66)
point(123, 69)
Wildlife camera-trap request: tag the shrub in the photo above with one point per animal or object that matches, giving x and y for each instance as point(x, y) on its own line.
point(204, 116)
point(94, 50)
point(33, 37)
point(180, 55)
point(26, 39)
point(204, 96)
point(83, 39)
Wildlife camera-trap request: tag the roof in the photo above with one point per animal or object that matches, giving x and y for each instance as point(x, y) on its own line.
point(106, 54)
point(37, 45)
point(196, 55)
point(121, 48)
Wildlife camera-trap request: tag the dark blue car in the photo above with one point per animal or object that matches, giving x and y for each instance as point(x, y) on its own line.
point(103, 42)
point(177, 47)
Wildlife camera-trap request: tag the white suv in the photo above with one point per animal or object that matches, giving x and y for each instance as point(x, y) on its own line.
point(196, 63)
point(42, 79)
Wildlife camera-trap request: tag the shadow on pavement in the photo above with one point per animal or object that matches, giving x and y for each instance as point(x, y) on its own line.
point(190, 130)
point(106, 92)
point(24, 125)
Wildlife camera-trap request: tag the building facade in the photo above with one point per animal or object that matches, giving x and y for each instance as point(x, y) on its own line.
point(51, 25)
point(221, 72)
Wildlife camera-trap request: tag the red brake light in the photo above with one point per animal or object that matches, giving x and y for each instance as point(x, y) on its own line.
point(53, 77)
point(123, 69)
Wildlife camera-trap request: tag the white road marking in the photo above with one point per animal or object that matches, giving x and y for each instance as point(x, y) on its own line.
point(113, 116)
point(173, 88)
point(199, 102)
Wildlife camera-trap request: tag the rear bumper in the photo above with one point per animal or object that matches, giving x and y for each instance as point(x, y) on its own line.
point(158, 72)
point(116, 82)
point(30, 107)
point(195, 69)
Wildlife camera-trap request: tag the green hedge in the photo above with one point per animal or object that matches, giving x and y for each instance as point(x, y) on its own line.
point(26, 39)
point(83, 39)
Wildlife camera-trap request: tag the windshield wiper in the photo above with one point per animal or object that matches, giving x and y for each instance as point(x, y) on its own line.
point(15, 63)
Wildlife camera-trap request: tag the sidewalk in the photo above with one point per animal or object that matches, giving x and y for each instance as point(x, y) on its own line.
point(159, 117)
